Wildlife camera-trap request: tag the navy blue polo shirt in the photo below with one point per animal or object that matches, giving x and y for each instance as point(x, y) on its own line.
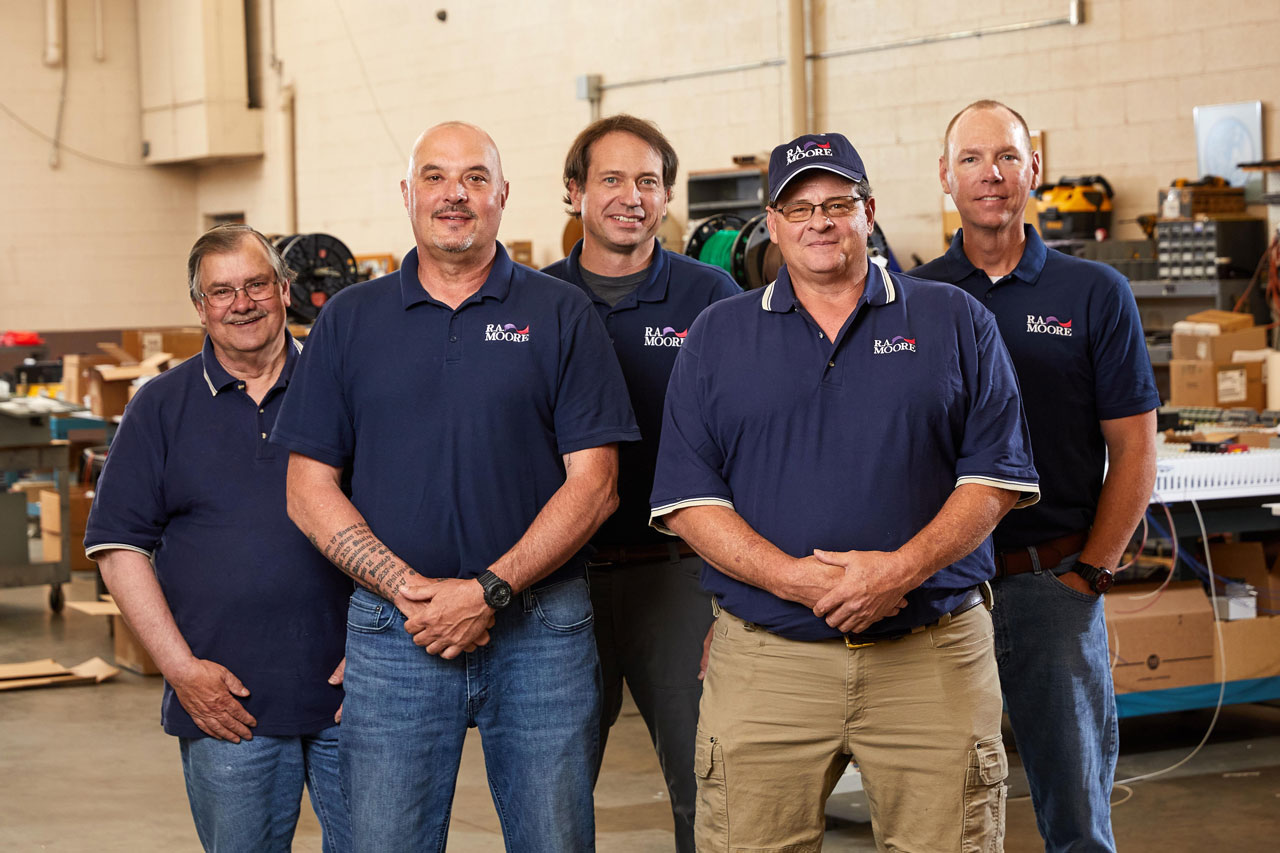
point(851, 445)
point(1073, 331)
point(192, 481)
point(647, 329)
point(454, 422)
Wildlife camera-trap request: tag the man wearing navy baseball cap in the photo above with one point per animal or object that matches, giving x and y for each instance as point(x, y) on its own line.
point(838, 447)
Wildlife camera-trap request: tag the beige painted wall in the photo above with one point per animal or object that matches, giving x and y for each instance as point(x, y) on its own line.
point(1113, 96)
point(86, 244)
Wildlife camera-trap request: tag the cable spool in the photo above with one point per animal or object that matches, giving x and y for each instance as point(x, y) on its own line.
point(706, 229)
point(324, 265)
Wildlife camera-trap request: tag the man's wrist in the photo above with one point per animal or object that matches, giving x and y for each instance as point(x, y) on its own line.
point(496, 591)
point(1099, 578)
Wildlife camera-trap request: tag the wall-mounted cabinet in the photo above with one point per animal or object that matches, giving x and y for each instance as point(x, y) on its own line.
point(195, 88)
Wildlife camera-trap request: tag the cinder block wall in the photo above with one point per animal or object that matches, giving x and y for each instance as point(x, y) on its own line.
point(90, 246)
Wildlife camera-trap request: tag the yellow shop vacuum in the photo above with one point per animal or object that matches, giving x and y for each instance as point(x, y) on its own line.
point(1074, 208)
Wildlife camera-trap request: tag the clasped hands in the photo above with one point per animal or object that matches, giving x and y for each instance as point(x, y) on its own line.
point(446, 617)
point(852, 590)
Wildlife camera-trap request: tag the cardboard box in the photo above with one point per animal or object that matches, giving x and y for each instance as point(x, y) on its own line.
point(52, 545)
point(1247, 562)
point(129, 651)
point(1161, 643)
point(1226, 321)
point(79, 499)
point(77, 373)
point(1218, 347)
point(109, 386)
point(1224, 386)
point(1251, 648)
point(179, 342)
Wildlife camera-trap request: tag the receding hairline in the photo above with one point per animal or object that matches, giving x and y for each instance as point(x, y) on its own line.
point(987, 105)
point(444, 125)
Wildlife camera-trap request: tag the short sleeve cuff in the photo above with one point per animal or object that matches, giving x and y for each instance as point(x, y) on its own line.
point(655, 517)
point(599, 439)
point(92, 550)
point(1028, 492)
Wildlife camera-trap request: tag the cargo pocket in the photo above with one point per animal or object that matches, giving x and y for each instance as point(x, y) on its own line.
point(711, 817)
point(984, 797)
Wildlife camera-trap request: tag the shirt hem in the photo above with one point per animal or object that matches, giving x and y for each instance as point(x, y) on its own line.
point(118, 546)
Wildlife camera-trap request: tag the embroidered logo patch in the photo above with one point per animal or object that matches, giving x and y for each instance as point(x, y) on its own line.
point(506, 332)
point(809, 149)
point(895, 344)
point(1048, 326)
point(663, 336)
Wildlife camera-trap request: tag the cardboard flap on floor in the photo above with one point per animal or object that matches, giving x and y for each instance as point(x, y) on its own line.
point(1161, 641)
point(93, 671)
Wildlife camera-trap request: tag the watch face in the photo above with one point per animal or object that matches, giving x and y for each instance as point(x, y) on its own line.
point(1103, 581)
point(500, 595)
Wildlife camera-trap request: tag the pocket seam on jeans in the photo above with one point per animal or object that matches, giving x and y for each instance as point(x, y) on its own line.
point(376, 623)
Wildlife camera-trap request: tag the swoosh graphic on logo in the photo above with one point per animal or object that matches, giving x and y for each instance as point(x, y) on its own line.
point(896, 339)
point(666, 330)
point(682, 334)
point(911, 341)
point(523, 331)
point(812, 144)
point(508, 327)
point(1066, 325)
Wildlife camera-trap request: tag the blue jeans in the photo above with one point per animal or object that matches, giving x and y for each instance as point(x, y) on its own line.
point(534, 694)
point(246, 796)
point(1051, 647)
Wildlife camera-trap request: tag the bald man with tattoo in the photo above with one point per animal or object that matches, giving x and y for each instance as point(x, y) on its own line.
point(476, 405)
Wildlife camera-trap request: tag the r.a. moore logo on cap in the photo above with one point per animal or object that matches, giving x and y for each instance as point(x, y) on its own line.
point(663, 336)
point(885, 346)
point(506, 332)
point(1048, 326)
point(809, 149)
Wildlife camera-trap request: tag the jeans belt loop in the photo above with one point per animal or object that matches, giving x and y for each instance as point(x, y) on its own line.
point(526, 599)
point(715, 607)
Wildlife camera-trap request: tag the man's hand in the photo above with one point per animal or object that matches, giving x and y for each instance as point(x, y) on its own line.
point(809, 580)
point(207, 691)
point(706, 653)
point(455, 618)
point(868, 592)
point(335, 680)
point(1077, 583)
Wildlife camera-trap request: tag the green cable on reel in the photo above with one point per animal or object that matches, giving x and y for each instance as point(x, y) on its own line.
point(718, 250)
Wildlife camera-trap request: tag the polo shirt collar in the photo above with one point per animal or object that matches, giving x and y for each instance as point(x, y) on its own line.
point(219, 380)
point(780, 296)
point(496, 286)
point(1028, 269)
point(652, 289)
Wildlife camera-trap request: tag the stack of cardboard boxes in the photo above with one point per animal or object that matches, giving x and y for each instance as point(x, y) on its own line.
point(1218, 362)
point(52, 522)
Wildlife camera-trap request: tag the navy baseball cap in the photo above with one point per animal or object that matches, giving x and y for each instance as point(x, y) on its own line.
point(829, 151)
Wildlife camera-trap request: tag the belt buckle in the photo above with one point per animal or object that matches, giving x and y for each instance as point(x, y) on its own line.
point(850, 644)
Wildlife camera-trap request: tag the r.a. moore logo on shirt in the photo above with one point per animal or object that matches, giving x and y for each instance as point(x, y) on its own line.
point(506, 332)
point(663, 336)
point(897, 343)
point(1048, 326)
point(809, 149)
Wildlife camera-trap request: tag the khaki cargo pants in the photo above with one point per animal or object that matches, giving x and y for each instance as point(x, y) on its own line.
point(781, 719)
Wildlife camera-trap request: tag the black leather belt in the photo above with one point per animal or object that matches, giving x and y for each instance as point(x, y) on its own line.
point(1048, 555)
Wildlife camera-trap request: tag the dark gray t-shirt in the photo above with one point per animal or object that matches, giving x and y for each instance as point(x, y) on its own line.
point(613, 289)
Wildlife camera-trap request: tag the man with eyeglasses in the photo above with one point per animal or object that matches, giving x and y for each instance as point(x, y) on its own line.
point(837, 447)
point(242, 616)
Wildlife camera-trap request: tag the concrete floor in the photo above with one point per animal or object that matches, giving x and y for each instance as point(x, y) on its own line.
point(88, 768)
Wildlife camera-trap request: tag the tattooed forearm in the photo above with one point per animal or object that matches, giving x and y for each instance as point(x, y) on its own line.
point(361, 555)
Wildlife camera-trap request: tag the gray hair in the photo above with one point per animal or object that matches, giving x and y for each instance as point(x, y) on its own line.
point(224, 239)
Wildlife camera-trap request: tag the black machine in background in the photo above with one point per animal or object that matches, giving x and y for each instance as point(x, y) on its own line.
point(324, 266)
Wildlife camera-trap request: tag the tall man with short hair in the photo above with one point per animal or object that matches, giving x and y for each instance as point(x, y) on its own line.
point(838, 448)
point(1073, 330)
point(476, 404)
point(245, 620)
point(651, 613)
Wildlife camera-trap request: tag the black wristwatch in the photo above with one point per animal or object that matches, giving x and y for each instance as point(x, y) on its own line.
point(497, 592)
point(1098, 578)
